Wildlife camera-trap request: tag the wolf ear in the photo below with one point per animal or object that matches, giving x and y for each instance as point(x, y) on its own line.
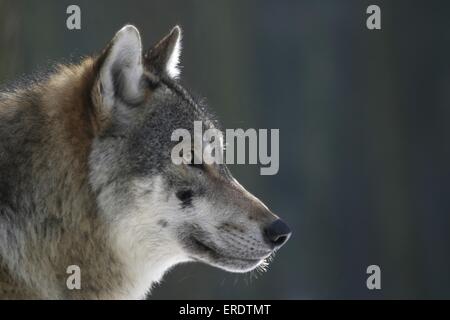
point(121, 70)
point(164, 57)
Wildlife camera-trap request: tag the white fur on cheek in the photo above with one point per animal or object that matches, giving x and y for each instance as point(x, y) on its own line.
point(146, 249)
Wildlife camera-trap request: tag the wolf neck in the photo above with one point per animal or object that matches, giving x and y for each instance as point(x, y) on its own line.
point(114, 265)
point(66, 215)
point(49, 215)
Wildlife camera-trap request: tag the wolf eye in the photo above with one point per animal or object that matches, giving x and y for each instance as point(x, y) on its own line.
point(183, 195)
point(186, 197)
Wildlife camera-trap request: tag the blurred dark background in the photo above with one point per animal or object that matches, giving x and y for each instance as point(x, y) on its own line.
point(363, 116)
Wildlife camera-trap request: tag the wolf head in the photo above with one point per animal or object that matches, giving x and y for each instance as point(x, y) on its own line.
point(161, 213)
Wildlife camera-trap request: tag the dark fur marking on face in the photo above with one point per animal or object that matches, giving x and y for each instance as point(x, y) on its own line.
point(231, 227)
point(186, 198)
point(163, 223)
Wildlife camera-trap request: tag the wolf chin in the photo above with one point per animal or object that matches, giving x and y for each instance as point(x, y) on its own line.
point(87, 180)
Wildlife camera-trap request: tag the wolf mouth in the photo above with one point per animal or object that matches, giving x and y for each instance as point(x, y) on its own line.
point(213, 252)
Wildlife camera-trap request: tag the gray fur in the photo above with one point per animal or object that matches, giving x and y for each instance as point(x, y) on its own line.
point(86, 179)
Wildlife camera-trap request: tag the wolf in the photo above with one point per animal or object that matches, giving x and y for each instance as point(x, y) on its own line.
point(87, 180)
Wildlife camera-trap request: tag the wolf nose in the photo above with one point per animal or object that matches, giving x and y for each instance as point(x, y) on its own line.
point(277, 233)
